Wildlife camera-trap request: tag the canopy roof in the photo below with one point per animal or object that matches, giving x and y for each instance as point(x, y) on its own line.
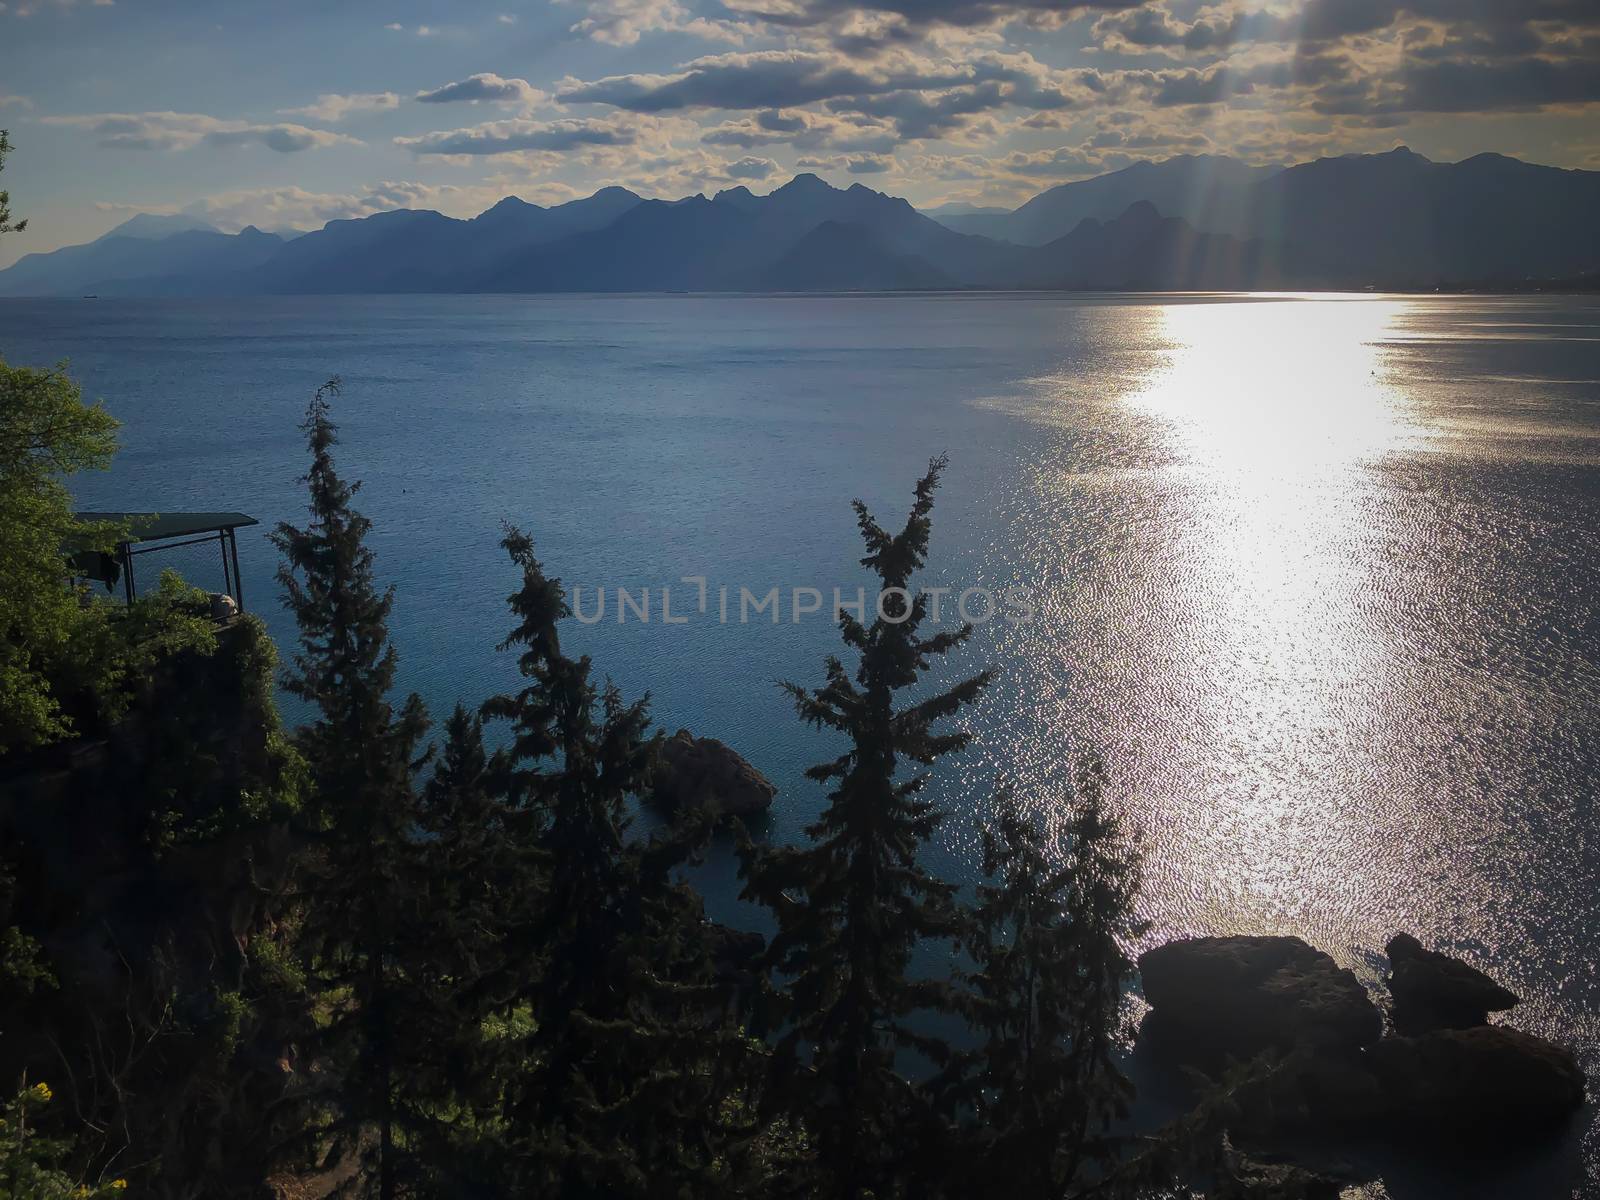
point(155, 527)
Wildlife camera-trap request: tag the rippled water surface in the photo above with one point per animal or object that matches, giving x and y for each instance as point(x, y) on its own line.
point(1318, 576)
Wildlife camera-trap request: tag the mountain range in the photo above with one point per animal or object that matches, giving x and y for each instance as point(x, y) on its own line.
point(1189, 223)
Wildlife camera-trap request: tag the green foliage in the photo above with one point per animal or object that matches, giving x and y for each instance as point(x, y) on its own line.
point(31, 1165)
point(48, 638)
point(6, 223)
point(460, 1034)
point(853, 905)
point(1046, 992)
point(361, 754)
point(629, 1054)
point(23, 969)
point(482, 981)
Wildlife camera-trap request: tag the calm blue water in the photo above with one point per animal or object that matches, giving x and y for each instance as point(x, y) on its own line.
point(1318, 576)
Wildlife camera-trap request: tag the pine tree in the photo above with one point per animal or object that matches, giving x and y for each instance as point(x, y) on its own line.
point(1047, 943)
point(468, 872)
point(852, 906)
point(7, 225)
point(619, 1096)
point(362, 755)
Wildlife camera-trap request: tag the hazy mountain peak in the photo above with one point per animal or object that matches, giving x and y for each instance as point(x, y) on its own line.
point(510, 204)
point(153, 226)
point(805, 184)
point(1391, 218)
point(1140, 212)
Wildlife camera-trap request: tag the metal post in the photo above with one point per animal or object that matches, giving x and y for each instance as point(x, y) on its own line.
point(222, 544)
point(238, 580)
point(127, 570)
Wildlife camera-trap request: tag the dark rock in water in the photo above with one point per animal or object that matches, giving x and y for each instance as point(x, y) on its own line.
point(1256, 1177)
point(1215, 998)
point(1328, 1076)
point(703, 772)
point(1485, 1082)
point(1312, 1094)
point(1434, 991)
point(1490, 1084)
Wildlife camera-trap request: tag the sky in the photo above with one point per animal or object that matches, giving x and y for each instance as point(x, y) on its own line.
point(290, 114)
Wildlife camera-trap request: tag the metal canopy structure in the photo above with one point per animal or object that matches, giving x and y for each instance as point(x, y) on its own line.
point(163, 529)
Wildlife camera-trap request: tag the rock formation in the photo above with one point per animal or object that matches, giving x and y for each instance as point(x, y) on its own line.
point(1448, 1078)
point(706, 773)
point(1434, 991)
point(1491, 1082)
point(1215, 998)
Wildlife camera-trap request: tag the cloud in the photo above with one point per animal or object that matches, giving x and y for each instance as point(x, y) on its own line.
point(484, 86)
point(923, 13)
point(763, 79)
point(804, 130)
point(854, 164)
point(29, 7)
point(1475, 86)
point(14, 101)
point(1152, 27)
point(184, 131)
point(332, 107)
point(507, 19)
point(751, 168)
point(623, 22)
point(507, 137)
point(1366, 62)
point(892, 86)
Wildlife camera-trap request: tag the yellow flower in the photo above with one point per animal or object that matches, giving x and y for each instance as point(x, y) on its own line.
point(42, 1090)
point(119, 1185)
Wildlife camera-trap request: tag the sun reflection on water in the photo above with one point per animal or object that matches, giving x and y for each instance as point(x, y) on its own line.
point(1277, 413)
point(1224, 631)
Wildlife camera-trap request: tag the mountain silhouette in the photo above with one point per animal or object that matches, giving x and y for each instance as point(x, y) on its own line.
point(838, 256)
point(1399, 218)
point(1395, 219)
point(1143, 251)
point(1386, 220)
point(1201, 189)
point(191, 260)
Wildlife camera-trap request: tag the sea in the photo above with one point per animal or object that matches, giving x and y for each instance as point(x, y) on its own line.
point(1316, 576)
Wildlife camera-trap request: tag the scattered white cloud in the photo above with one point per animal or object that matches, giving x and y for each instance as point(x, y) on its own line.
point(507, 18)
point(485, 86)
point(804, 130)
point(333, 106)
point(29, 7)
point(507, 137)
point(851, 164)
point(14, 101)
point(184, 131)
point(624, 22)
point(751, 168)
